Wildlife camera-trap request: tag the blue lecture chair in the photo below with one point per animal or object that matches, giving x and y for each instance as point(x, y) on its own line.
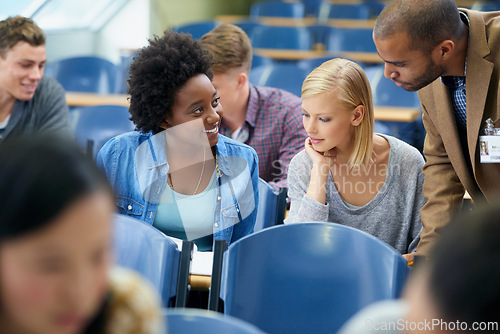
point(274, 37)
point(261, 61)
point(311, 63)
point(197, 29)
point(312, 7)
point(309, 277)
point(272, 206)
point(182, 321)
point(375, 6)
point(148, 251)
point(123, 71)
point(247, 26)
point(487, 6)
point(343, 11)
point(351, 40)
point(285, 76)
point(386, 93)
point(85, 74)
point(95, 125)
point(277, 9)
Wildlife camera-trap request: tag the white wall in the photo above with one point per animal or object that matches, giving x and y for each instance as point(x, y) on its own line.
point(72, 43)
point(128, 30)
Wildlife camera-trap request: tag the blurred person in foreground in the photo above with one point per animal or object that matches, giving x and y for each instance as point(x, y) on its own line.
point(55, 247)
point(455, 291)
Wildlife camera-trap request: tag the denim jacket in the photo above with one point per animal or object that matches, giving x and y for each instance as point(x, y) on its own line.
point(136, 166)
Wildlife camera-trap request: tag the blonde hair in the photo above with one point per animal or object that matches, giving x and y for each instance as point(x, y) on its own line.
point(347, 82)
point(230, 48)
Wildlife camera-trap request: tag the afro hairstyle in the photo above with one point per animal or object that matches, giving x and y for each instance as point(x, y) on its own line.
point(158, 72)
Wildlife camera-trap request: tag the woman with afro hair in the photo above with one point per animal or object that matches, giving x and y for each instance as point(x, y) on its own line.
point(176, 172)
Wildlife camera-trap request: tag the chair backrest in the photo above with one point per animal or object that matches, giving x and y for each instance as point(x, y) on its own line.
point(85, 74)
point(247, 26)
point(343, 11)
point(127, 57)
point(312, 7)
point(376, 7)
point(145, 249)
point(273, 37)
point(277, 9)
point(197, 29)
point(261, 61)
point(95, 125)
point(309, 277)
point(285, 76)
point(386, 93)
point(271, 210)
point(351, 39)
point(486, 6)
point(201, 321)
point(311, 63)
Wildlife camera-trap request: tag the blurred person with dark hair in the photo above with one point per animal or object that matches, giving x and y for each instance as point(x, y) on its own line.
point(455, 291)
point(29, 102)
point(55, 247)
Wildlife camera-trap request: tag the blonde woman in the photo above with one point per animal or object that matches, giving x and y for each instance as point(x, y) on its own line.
point(346, 173)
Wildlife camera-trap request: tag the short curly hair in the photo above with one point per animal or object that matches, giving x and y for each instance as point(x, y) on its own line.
point(158, 72)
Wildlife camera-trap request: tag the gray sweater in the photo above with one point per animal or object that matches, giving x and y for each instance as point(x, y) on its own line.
point(393, 215)
point(47, 111)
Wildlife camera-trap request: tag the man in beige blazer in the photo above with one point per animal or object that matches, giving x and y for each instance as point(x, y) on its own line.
point(452, 57)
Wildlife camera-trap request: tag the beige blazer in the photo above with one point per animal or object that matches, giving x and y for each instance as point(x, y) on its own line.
point(446, 173)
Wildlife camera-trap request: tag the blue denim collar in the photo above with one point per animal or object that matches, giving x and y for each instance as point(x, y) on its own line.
point(156, 157)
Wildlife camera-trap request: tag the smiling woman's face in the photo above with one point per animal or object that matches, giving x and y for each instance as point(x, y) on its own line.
point(55, 279)
point(196, 101)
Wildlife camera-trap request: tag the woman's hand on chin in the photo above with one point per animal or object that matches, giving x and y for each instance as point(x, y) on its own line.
point(319, 158)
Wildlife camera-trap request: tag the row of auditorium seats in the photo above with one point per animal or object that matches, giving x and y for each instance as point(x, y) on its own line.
point(93, 126)
point(319, 9)
point(95, 74)
point(311, 37)
point(322, 10)
point(330, 273)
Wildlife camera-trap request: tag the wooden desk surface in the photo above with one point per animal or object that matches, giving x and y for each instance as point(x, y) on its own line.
point(75, 99)
point(297, 22)
point(285, 54)
point(199, 282)
point(396, 114)
point(364, 57)
point(351, 23)
point(289, 54)
point(80, 99)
